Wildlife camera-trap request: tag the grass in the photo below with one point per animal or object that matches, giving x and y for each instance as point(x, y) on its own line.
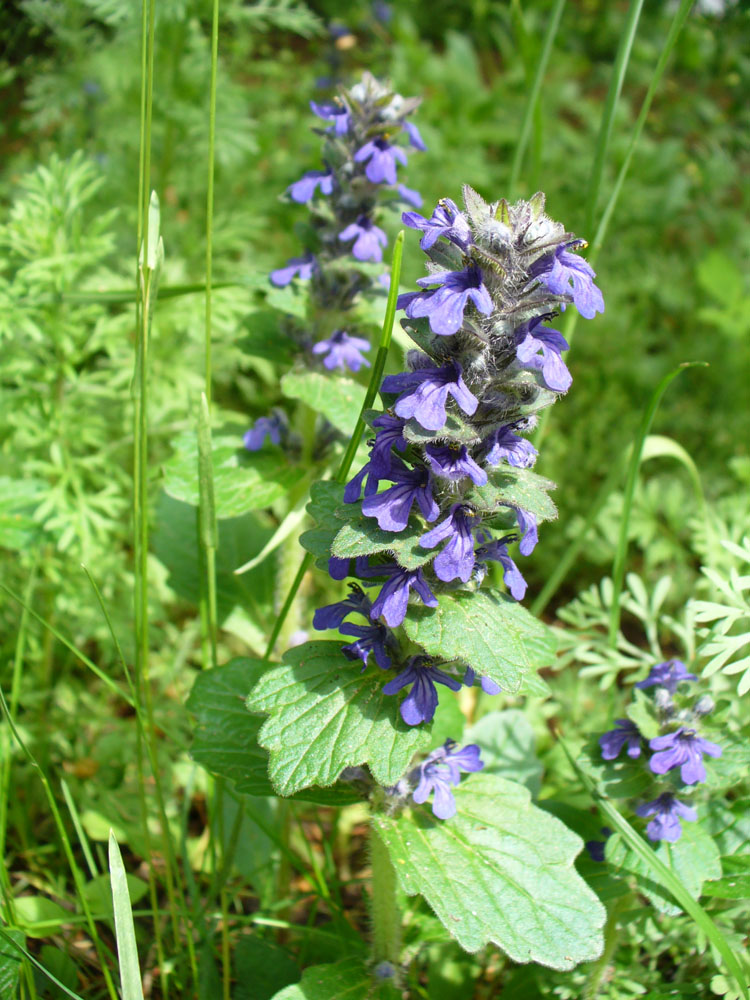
point(207, 896)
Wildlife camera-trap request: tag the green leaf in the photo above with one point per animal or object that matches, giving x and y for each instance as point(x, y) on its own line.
point(735, 882)
point(98, 893)
point(338, 399)
point(19, 498)
point(242, 482)
point(346, 980)
point(500, 871)
point(454, 429)
point(693, 859)
point(262, 969)
point(38, 916)
point(509, 487)
point(488, 631)
point(325, 715)
point(623, 778)
point(240, 538)
point(10, 963)
point(362, 537)
point(266, 340)
point(642, 712)
point(226, 736)
point(506, 740)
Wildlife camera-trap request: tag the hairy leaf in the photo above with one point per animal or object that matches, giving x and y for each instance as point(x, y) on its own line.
point(225, 741)
point(338, 399)
point(345, 980)
point(488, 631)
point(501, 871)
point(510, 487)
point(325, 715)
point(507, 743)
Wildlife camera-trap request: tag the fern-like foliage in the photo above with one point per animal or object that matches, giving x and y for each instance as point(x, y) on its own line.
point(727, 642)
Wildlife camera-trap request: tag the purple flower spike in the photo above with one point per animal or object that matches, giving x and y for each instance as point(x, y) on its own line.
point(456, 561)
point(512, 576)
point(269, 427)
point(368, 239)
point(441, 770)
point(445, 306)
point(564, 269)
point(667, 675)
point(298, 267)
point(343, 351)
point(684, 749)
point(420, 703)
point(446, 220)
point(370, 638)
point(666, 809)
point(529, 534)
point(335, 113)
point(504, 444)
point(393, 598)
point(415, 139)
point(304, 189)
point(450, 462)
point(488, 686)
point(410, 196)
point(393, 506)
point(613, 741)
point(550, 363)
point(424, 393)
point(382, 158)
point(332, 615)
point(389, 433)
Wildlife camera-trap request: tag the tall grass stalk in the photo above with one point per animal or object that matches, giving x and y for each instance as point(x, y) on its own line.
point(150, 255)
point(356, 438)
point(207, 514)
point(67, 848)
point(610, 107)
point(621, 552)
point(532, 104)
point(597, 241)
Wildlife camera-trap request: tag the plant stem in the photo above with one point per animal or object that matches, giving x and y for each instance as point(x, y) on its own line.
point(611, 939)
point(608, 116)
point(533, 99)
point(384, 909)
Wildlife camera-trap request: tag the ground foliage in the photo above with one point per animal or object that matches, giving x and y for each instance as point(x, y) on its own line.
point(674, 272)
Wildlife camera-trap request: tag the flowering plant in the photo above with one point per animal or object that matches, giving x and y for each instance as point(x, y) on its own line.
point(445, 492)
point(342, 262)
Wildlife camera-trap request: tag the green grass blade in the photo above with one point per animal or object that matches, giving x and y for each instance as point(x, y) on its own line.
point(351, 451)
point(565, 563)
point(127, 951)
point(112, 685)
point(610, 106)
point(674, 30)
point(207, 529)
point(666, 876)
point(533, 98)
point(78, 826)
point(618, 566)
point(66, 845)
point(655, 446)
point(35, 961)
